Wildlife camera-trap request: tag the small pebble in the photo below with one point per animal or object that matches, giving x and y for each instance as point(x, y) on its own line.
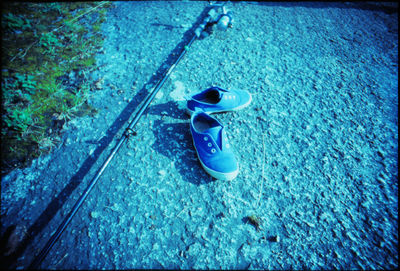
point(94, 215)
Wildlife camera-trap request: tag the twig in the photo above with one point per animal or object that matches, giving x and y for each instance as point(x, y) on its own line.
point(77, 17)
point(26, 50)
point(55, 29)
point(184, 209)
point(262, 174)
point(66, 254)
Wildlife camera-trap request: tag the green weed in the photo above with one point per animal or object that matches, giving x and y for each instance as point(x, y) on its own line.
point(41, 43)
point(15, 22)
point(49, 42)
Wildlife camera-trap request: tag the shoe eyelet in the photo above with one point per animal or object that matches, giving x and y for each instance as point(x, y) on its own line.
point(205, 138)
point(213, 150)
point(209, 144)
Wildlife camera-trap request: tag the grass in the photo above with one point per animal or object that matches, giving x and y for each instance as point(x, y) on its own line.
point(43, 44)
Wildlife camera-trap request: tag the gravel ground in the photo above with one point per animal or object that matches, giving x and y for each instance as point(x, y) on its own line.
point(318, 146)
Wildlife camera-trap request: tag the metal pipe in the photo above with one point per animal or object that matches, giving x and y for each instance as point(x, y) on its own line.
point(53, 239)
point(128, 132)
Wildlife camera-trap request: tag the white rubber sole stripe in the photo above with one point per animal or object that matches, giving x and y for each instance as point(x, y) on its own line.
point(219, 175)
point(226, 176)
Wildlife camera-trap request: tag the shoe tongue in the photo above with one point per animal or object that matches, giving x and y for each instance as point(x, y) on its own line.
point(215, 133)
point(221, 93)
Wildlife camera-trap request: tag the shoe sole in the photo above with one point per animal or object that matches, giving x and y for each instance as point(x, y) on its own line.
point(226, 176)
point(190, 112)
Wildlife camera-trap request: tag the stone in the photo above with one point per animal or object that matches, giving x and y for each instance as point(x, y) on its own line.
point(94, 214)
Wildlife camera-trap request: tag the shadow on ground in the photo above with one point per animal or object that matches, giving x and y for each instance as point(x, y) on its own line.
point(386, 7)
point(170, 109)
point(174, 141)
point(194, 176)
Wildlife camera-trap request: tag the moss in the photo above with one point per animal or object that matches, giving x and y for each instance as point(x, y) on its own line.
point(34, 59)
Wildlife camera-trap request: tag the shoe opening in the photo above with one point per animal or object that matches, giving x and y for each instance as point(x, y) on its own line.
point(211, 97)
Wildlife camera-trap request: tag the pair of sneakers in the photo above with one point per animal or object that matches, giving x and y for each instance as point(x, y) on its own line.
point(209, 137)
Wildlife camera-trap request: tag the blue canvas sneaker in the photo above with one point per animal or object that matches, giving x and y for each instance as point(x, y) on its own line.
point(216, 99)
point(212, 147)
